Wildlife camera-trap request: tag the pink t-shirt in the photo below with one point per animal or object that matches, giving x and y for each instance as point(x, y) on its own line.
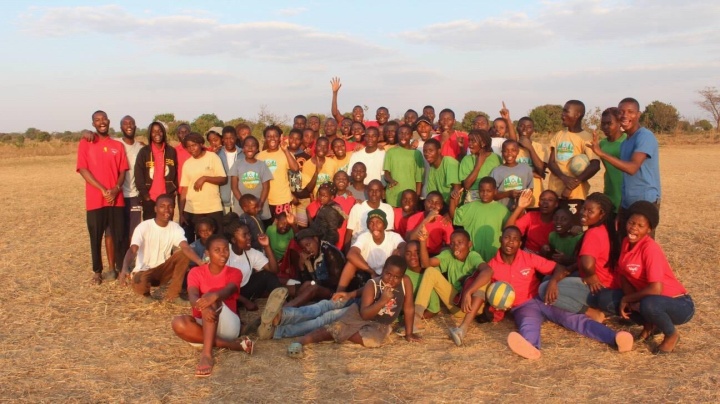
point(105, 159)
point(596, 244)
point(206, 282)
point(536, 231)
point(521, 273)
point(646, 263)
point(157, 187)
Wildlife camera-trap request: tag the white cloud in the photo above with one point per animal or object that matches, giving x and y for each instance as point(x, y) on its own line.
point(293, 11)
point(190, 35)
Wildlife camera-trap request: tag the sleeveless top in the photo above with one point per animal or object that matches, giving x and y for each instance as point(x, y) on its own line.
point(391, 311)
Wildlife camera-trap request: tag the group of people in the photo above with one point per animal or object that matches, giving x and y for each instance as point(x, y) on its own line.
point(351, 228)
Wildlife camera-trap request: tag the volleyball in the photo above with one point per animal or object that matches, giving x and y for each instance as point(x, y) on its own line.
point(500, 295)
point(578, 164)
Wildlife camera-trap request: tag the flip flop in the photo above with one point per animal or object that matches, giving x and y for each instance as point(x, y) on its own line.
point(457, 335)
point(247, 345)
point(522, 347)
point(295, 350)
point(624, 341)
point(199, 369)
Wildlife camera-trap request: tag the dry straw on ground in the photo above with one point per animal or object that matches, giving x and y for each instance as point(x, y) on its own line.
point(64, 340)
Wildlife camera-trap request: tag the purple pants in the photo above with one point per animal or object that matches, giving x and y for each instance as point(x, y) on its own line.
point(530, 315)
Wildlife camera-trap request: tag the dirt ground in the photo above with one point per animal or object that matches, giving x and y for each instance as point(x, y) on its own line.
point(65, 340)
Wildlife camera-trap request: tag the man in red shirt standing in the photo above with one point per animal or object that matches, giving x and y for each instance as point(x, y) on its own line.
point(102, 164)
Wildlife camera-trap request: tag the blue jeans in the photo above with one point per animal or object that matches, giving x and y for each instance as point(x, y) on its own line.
point(667, 312)
point(573, 295)
point(530, 315)
point(298, 321)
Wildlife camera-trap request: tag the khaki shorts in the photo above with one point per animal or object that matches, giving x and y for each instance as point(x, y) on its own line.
point(373, 334)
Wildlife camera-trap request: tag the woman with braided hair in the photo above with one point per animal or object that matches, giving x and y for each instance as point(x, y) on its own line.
point(577, 288)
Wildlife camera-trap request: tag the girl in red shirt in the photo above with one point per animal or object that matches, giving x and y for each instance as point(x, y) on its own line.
point(648, 283)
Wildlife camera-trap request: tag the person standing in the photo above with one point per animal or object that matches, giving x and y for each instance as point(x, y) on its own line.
point(102, 164)
point(155, 169)
point(133, 205)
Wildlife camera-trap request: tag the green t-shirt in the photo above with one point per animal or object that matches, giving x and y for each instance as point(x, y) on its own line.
point(279, 242)
point(455, 269)
point(466, 167)
point(441, 179)
point(565, 245)
point(613, 176)
point(406, 166)
point(484, 222)
point(415, 278)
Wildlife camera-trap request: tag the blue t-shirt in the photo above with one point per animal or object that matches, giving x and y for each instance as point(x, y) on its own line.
point(645, 184)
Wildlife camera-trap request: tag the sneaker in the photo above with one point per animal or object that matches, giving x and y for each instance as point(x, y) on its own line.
point(110, 275)
point(457, 334)
point(273, 307)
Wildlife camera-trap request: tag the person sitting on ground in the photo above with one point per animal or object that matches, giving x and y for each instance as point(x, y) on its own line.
point(483, 219)
point(579, 292)
point(407, 209)
point(446, 274)
point(536, 225)
point(520, 269)
point(357, 220)
point(562, 243)
point(151, 249)
point(249, 216)
point(415, 272)
point(512, 178)
point(649, 286)
point(438, 227)
point(259, 270)
point(213, 290)
point(369, 322)
point(346, 200)
point(367, 255)
point(281, 234)
point(479, 163)
point(324, 213)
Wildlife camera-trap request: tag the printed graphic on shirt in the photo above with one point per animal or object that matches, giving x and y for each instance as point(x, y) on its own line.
point(271, 165)
point(389, 308)
point(525, 160)
point(564, 151)
point(323, 178)
point(152, 170)
point(250, 179)
point(512, 183)
point(633, 269)
point(525, 271)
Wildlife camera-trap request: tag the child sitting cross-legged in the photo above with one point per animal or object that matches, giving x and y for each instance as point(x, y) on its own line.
point(213, 289)
point(369, 322)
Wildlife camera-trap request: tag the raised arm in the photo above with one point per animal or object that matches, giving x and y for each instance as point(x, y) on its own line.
point(505, 114)
point(335, 84)
point(628, 167)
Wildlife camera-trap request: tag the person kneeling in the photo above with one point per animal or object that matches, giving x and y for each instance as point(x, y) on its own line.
point(213, 289)
point(369, 322)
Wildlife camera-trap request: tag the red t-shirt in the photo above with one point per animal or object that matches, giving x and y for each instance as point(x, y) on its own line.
point(401, 222)
point(313, 208)
point(105, 159)
point(596, 244)
point(537, 232)
point(157, 187)
point(371, 124)
point(451, 147)
point(182, 156)
point(438, 231)
point(521, 273)
point(206, 282)
point(647, 263)
point(346, 202)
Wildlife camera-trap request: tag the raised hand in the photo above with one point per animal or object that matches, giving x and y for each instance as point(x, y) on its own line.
point(525, 199)
point(335, 84)
point(263, 240)
point(505, 113)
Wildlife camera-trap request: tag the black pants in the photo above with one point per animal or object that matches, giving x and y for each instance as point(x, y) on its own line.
point(133, 217)
point(260, 283)
point(193, 218)
point(98, 220)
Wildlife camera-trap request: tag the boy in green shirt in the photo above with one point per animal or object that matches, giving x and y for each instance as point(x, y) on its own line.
point(404, 168)
point(281, 234)
point(443, 176)
point(610, 125)
point(562, 241)
point(414, 271)
point(482, 219)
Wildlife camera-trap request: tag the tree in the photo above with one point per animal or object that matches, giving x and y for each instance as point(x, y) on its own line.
point(165, 118)
point(43, 137)
point(703, 124)
point(547, 118)
point(592, 119)
point(660, 117)
point(711, 103)
point(204, 122)
point(467, 121)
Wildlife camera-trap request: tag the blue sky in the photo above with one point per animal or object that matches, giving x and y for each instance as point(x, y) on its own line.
point(65, 59)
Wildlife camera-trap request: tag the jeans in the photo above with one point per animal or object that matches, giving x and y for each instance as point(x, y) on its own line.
point(667, 312)
point(530, 315)
point(298, 321)
point(573, 295)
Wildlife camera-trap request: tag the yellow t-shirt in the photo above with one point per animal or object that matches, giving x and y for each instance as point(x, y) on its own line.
point(278, 165)
point(207, 200)
point(344, 164)
point(325, 175)
point(566, 145)
point(524, 157)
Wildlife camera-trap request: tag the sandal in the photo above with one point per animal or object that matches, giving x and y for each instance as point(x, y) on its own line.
point(204, 370)
point(248, 345)
point(457, 334)
point(295, 350)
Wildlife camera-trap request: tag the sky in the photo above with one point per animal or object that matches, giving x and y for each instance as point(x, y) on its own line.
point(65, 59)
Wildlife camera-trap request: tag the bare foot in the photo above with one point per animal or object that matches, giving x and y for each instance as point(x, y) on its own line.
point(647, 332)
point(428, 315)
point(97, 278)
point(668, 343)
point(522, 347)
point(596, 315)
point(205, 366)
point(624, 341)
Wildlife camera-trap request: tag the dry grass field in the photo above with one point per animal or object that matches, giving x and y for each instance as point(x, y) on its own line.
point(64, 340)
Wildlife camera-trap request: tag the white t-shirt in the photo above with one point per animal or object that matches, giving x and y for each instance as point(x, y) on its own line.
point(131, 152)
point(376, 255)
point(249, 260)
point(155, 243)
point(496, 145)
point(373, 163)
point(231, 157)
point(357, 220)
